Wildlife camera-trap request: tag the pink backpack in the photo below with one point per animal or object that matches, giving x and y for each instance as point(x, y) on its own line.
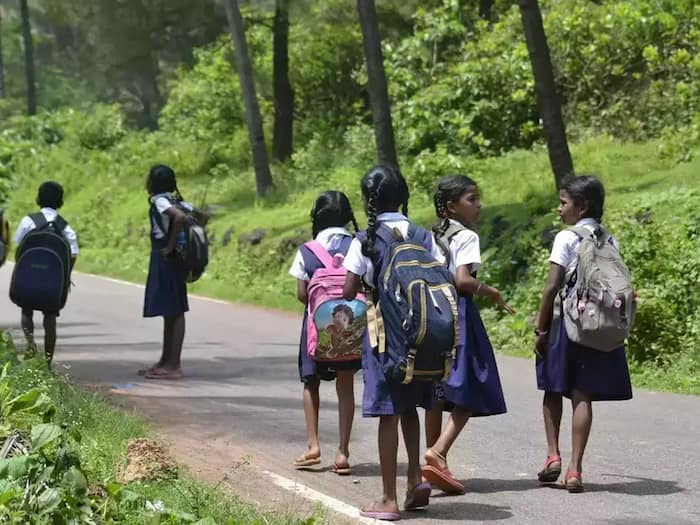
point(335, 328)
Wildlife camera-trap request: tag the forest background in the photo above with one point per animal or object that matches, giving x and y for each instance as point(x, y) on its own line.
point(115, 86)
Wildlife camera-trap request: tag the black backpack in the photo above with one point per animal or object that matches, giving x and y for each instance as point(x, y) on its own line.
point(41, 276)
point(193, 250)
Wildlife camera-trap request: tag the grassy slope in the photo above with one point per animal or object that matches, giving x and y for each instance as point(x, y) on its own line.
point(107, 205)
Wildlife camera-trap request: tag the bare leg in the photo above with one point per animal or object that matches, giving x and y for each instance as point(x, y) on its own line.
point(581, 427)
point(433, 423)
point(28, 330)
point(49, 336)
point(388, 448)
point(344, 387)
point(176, 327)
point(410, 426)
point(551, 410)
point(312, 404)
point(456, 422)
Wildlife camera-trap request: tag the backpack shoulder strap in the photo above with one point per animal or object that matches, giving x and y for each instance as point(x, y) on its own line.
point(580, 231)
point(60, 223)
point(386, 234)
point(159, 220)
point(320, 252)
point(444, 239)
point(39, 220)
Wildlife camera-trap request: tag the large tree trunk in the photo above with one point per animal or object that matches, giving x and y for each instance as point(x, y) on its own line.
point(2, 63)
point(485, 9)
point(28, 58)
point(263, 178)
point(376, 83)
point(547, 98)
point(282, 144)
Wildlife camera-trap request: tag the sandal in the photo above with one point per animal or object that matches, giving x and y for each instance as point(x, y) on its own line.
point(441, 477)
point(418, 498)
point(162, 373)
point(383, 515)
point(306, 461)
point(549, 474)
point(573, 482)
point(342, 470)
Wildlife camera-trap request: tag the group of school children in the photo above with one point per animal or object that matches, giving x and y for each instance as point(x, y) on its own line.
point(166, 290)
point(473, 388)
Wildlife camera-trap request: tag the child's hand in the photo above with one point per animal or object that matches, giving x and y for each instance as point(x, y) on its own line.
point(499, 301)
point(165, 252)
point(541, 345)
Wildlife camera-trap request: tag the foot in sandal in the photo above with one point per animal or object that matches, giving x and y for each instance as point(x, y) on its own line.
point(573, 482)
point(341, 465)
point(438, 475)
point(308, 459)
point(551, 471)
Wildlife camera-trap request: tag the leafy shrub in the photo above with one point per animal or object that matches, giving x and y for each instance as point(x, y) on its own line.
point(102, 128)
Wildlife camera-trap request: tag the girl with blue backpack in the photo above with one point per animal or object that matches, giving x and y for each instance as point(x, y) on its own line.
point(330, 215)
point(166, 287)
point(473, 387)
point(385, 194)
point(566, 368)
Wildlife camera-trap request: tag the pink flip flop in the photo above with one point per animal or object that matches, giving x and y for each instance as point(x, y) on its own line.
point(442, 479)
point(379, 514)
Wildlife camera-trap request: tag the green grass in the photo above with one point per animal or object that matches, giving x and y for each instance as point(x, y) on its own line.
point(105, 432)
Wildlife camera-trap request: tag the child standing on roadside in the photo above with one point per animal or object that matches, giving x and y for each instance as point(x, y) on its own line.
point(385, 192)
point(474, 386)
point(330, 215)
point(49, 199)
point(166, 288)
point(565, 368)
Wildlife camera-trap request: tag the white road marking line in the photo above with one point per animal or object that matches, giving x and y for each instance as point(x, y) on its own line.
point(313, 495)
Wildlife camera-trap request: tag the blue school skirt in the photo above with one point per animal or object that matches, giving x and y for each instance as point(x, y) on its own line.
point(310, 370)
point(567, 366)
point(166, 289)
point(474, 383)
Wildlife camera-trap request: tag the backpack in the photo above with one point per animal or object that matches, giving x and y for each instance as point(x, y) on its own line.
point(599, 306)
point(41, 276)
point(444, 239)
point(4, 237)
point(416, 302)
point(192, 245)
point(335, 328)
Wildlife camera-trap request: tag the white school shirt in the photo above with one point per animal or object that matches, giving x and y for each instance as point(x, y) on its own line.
point(464, 249)
point(27, 224)
point(566, 243)
point(359, 264)
point(329, 238)
point(162, 202)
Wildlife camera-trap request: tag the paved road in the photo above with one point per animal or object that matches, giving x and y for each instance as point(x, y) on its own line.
point(241, 389)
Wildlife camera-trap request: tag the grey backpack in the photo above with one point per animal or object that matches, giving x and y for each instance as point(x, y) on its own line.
point(599, 308)
point(443, 240)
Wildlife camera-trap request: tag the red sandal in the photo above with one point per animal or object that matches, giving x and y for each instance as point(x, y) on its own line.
point(573, 482)
point(549, 474)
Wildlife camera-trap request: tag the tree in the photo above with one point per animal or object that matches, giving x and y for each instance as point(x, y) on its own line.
point(2, 63)
point(28, 58)
point(485, 9)
point(263, 178)
point(547, 99)
point(376, 83)
point(282, 144)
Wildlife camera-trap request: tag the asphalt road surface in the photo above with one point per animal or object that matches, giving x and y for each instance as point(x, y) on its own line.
point(241, 388)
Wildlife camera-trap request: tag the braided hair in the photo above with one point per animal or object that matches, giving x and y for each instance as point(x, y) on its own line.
point(331, 209)
point(586, 190)
point(384, 189)
point(449, 189)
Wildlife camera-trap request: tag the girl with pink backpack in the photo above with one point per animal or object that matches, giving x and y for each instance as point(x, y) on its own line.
point(333, 330)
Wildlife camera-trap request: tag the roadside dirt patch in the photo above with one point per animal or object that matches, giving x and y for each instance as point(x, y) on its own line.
point(146, 460)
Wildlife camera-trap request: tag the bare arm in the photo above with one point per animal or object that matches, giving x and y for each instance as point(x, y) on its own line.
point(467, 284)
point(177, 220)
point(302, 291)
point(353, 283)
point(555, 278)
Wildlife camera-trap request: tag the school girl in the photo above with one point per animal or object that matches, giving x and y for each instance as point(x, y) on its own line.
point(166, 288)
point(564, 368)
point(330, 215)
point(385, 192)
point(474, 386)
point(49, 199)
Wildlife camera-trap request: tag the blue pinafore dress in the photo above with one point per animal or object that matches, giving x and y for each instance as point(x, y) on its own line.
point(166, 287)
point(310, 370)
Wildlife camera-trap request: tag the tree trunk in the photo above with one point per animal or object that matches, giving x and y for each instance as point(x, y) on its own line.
point(263, 178)
point(547, 99)
point(28, 58)
point(376, 83)
point(282, 144)
point(2, 63)
point(485, 9)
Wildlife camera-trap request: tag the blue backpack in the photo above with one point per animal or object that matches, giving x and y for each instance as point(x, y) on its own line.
point(41, 276)
point(416, 302)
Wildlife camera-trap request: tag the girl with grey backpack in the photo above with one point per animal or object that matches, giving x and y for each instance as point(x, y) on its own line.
point(586, 312)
